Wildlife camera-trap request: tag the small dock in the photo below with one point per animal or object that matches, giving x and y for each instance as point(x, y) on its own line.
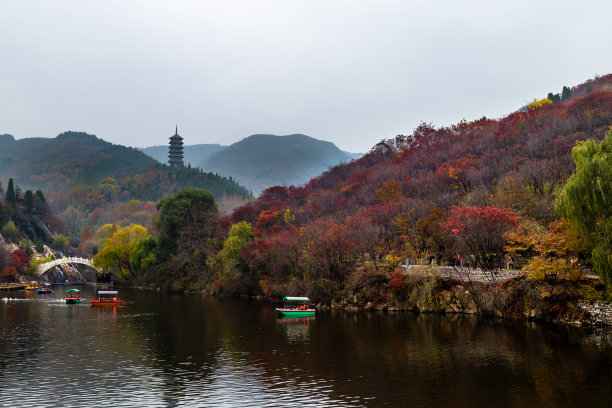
point(12, 286)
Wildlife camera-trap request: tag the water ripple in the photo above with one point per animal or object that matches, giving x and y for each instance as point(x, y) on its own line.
point(186, 352)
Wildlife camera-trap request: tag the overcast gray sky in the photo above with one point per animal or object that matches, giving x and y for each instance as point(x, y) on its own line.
point(351, 72)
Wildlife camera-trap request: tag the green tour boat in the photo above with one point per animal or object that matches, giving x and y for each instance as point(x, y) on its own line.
point(74, 296)
point(295, 307)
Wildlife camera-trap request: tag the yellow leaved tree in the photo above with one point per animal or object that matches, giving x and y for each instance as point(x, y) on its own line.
point(114, 256)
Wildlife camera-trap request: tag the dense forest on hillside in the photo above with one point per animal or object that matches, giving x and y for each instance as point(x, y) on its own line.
point(400, 200)
point(69, 160)
point(516, 162)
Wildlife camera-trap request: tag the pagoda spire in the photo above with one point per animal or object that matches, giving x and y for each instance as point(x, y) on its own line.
point(175, 150)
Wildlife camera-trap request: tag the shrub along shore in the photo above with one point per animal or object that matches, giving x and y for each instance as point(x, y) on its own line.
point(430, 289)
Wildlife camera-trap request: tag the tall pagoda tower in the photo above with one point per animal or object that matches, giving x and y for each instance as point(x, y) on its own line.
point(175, 151)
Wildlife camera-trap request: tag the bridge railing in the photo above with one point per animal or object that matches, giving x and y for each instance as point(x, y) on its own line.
point(42, 268)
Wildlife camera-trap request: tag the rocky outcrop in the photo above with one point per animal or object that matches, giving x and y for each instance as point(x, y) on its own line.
point(454, 300)
point(599, 314)
point(33, 227)
point(457, 299)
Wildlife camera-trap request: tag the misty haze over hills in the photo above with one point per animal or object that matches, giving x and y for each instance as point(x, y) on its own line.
point(192, 154)
point(261, 161)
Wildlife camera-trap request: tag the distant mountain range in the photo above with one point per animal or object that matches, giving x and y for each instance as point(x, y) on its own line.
point(261, 161)
point(77, 159)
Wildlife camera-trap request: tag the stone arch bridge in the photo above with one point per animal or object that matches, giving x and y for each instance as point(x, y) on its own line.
point(42, 268)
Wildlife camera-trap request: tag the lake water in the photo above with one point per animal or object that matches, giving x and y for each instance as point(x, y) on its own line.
point(171, 350)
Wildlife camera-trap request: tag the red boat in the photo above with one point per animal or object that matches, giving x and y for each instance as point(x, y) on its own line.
point(107, 297)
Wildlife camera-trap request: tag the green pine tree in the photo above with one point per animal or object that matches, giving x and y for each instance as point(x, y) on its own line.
point(566, 94)
point(41, 197)
point(554, 97)
point(28, 201)
point(11, 198)
point(4, 215)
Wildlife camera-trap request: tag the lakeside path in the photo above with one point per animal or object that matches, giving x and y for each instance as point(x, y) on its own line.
point(464, 274)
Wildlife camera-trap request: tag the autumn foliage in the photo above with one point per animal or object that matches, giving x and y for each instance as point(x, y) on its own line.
point(482, 189)
point(437, 192)
point(480, 233)
point(397, 281)
point(17, 262)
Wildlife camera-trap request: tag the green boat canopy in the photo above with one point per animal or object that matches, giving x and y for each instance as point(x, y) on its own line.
point(296, 299)
point(73, 290)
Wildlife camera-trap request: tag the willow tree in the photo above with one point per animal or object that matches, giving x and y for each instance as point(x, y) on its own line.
point(586, 200)
point(115, 253)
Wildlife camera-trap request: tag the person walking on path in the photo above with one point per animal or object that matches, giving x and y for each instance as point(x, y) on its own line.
point(509, 262)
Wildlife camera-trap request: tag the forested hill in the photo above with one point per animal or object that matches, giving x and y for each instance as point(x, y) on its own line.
point(261, 161)
point(80, 160)
point(68, 160)
point(398, 197)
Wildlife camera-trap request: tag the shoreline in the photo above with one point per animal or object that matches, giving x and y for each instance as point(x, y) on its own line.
point(448, 297)
point(590, 316)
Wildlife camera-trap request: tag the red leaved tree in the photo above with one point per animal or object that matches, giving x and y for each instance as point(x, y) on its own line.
point(20, 260)
point(479, 233)
point(329, 251)
point(17, 264)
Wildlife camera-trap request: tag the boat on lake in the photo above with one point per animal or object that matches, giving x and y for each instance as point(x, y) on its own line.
point(107, 297)
point(32, 285)
point(74, 296)
point(295, 306)
point(44, 288)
